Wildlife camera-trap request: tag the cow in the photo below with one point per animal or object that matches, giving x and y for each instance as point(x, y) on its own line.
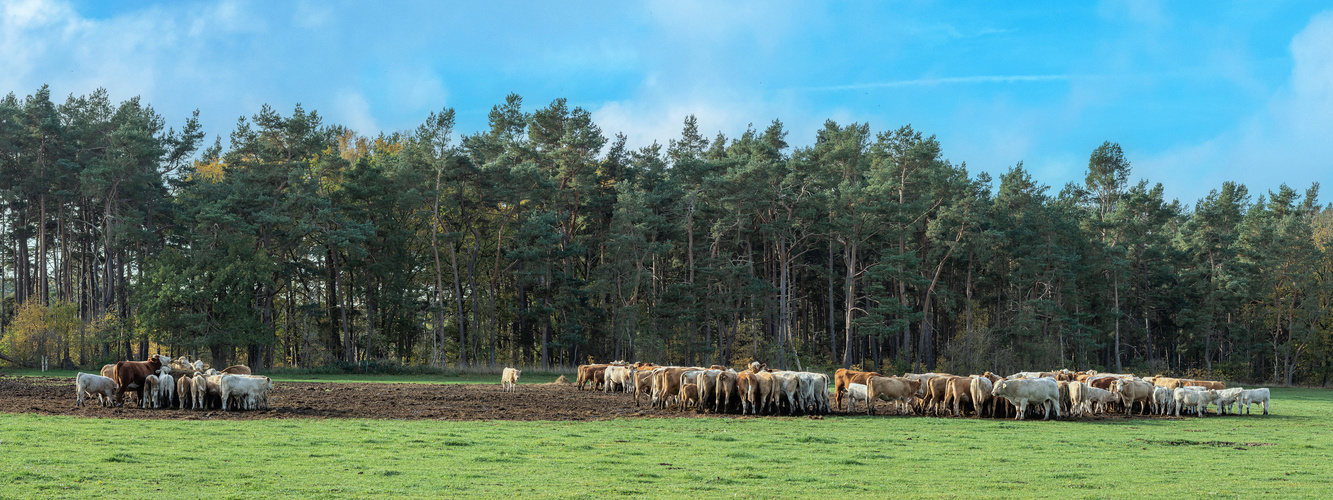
point(1194, 399)
point(109, 371)
point(814, 392)
point(1099, 400)
point(747, 384)
point(585, 375)
point(509, 379)
point(185, 391)
point(689, 395)
point(856, 392)
point(1133, 391)
point(619, 379)
point(708, 389)
point(166, 388)
point(1043, 391)
point(152, 390)
point(936, 392)
point(237, 370)
point(200, 391)
point(1162, 399)
point(767, 392)
point(87, 384)
point(1078, 398)
point(250, 392)
point(131, 375)
point(981, 396)
point(666, 385)
point(1254, 396)
point(787, 387)
point(643, 383)
point(889, 389)
point(1226, 398)
point(957, 391)
point(1167, 382)
point(1211, 385)
point(728, 390)
point(843, 377)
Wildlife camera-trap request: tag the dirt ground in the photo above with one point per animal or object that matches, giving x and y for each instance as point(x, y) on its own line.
point(555, 401)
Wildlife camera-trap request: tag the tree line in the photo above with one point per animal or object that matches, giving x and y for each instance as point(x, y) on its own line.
point(543, 242)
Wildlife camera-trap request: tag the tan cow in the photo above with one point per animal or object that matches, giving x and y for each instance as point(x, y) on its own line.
point(889, 389)
point(981, 396)
point(1211, 385)
point(1133, 391)
point(957, 391)
point(728, 390)
point(844, 377)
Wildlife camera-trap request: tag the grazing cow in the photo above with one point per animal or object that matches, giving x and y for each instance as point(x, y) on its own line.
point(936, 391)
point(153, 390)
point(1065, 398)
point(1043, 391)
point(708, 389)
point(109, 371)
point(1162, 399)
point(666, 385)
point(509, 379)
point(814, 392)
point(981, 396)
point(1133, 391)
point(786, 387)
point(689, 395)
point(131, 375)
point(185, 391)
point(1226, 398)
point(1078, 398)
point(166, 388)
point(1194, 399)
point(856, 392)
point(249, 391)
point(844, 377)
point(87, 384)
point(236, 370)
point(585, 375)
point(897, 389)
point(747, 383)
point(643, 383)
point(1100, 400)
point(200, 392)
point(1254, 396)
point(619, 379)
point(957, 391)
point(766, 395)
point(728, 390)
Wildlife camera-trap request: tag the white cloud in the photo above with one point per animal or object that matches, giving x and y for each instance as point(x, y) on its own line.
point(354, 111)
point(1288, 140)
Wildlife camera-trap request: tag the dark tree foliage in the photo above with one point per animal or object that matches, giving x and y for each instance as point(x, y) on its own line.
point(541, 241)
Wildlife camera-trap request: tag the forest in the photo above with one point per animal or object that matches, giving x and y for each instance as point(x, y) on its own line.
point(545, 241)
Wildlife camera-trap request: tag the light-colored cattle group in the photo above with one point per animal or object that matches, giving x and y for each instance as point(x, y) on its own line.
point(163, 382)
point(755, 390)
point(758, 390)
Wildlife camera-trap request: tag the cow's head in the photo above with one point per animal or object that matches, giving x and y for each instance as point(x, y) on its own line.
point(999, 386)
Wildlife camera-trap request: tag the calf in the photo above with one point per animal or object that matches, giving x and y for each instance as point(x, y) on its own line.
point(689, 395)
point(94, 385)
point(185, 392)
point(509, 379)
point(152, 390)
point(856, 392)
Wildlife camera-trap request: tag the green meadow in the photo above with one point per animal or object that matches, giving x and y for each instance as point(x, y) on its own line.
point(1286, 454)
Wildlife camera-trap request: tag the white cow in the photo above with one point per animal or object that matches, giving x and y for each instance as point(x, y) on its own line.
point(981, 396)
point(250, 391)
point(166, 388)
point(856, 392)
point(1161, 400)
point(1198, 400)
point(88, 384)
point(1019, 392)
point(1254, 396)
point(151, 391)
point(1227, 398)
point(618, 379)
point(509, 379)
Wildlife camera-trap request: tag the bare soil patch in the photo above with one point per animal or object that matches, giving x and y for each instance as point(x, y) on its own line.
point(401, 401)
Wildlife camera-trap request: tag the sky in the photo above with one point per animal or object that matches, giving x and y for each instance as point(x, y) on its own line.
point(1196, 93)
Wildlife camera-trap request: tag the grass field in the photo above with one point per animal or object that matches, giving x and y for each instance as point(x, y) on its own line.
point(463, 378)
point(1286, 454)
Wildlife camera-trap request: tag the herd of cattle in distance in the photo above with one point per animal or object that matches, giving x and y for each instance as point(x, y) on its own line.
point(162, 382)
point(759, 390)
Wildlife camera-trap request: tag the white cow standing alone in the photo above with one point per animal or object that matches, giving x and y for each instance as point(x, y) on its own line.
point(509, 379)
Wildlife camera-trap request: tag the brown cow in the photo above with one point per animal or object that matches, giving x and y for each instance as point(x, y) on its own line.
point(936, 388)
point(666, 384)
point(747, 384)
point(1167, 382)
point(643, 384)
point(843, 378)
point(727, 389)
point(585, 375)
point(1211, 385)
point(237, 370)
point(957, 391)
point(131, 375)
point(690, 395)
point(889, 389)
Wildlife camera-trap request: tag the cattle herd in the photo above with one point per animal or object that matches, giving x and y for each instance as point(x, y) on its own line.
point(759, 390)
point(161, 382)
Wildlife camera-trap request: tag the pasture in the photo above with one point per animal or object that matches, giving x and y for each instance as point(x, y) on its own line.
point(61, 456)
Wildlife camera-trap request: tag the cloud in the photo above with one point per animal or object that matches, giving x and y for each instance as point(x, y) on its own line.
point(355, 113)
point(1286, 140)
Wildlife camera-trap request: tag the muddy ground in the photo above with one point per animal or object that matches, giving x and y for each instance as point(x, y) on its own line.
point(555, 401)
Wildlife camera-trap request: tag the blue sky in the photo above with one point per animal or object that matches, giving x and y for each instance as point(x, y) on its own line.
point(1195, 92)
